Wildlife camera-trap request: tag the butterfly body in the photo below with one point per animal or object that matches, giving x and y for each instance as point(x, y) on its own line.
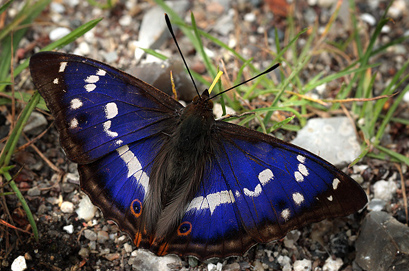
point(178, 168)
point(174, 178)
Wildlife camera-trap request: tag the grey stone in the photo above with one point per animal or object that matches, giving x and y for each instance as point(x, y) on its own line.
point(383, 243)
point(34, 192)
point(90, 235)
point(333, 139)
point(102, 237)
point(153, 31)
point(36, 122)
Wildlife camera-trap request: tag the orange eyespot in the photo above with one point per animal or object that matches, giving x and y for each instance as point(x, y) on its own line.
point(185, 228)
point(136, 207)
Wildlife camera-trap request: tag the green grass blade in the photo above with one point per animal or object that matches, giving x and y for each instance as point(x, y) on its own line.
point(401, 158)
point(24, 17)
point(5, 6)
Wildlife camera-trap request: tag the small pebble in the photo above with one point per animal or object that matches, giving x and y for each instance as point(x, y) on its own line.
point(90, 235)
point(397, 9)
point(35, 122)
point(368, 18)
point(376, 205)
point(258, 266)
point(406, 97)
point(34, 192)
point(58, 33)
point(102, 237)
point(384, 190)
point(232, 267)
point(57, 7)
point(112, 256)
point(302, 265)
point(250, 17)
point(128, 248)
point(86, 210)
point(92, 244)
point(332, 265)
point(19, 264)
point(69, 229)
point(84, 252)
point(326, 3)
point(67, 207)
point(110, 57)
point(125, 20)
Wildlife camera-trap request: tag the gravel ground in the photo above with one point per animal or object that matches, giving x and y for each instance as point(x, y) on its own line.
point(70, 243)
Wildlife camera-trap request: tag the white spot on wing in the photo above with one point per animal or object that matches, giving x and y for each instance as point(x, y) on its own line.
point(265, 176)
point(330, 198)
point(255, 193)
point(90, 87)
point(134, 166)
point(211, 201)
point(101, 72)
point(107, 126)
point(298, 176)
point(298, 198)
point(301, 158)
point(303, 170)
point(111, 110)
point(55, 81)
point(285, 214)
point(62, 66)
point(92, 79)
point(75, 103)
point(73, 123)
point(335, 183)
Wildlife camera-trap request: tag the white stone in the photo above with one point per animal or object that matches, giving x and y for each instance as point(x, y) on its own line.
point(86, 210)
point(332, 265)
point(69, 229)
point(302, 265)
point(384, 190)
point(67, 207)
point(19, 264)
point(368, 18)
point(125, 20)
point(59, 33)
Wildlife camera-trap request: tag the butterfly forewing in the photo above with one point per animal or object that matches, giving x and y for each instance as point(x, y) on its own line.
point(98, 108)
point(257, 189)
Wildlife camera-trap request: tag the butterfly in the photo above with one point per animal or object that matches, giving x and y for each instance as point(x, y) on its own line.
point(174, 178)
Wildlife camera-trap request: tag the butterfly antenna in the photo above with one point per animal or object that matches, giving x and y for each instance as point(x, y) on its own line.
point(264, 72)
point(180, 52)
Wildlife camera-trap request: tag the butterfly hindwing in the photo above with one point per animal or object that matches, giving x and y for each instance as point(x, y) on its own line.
point(257, 189)
point(119, 182)
point(98, 108)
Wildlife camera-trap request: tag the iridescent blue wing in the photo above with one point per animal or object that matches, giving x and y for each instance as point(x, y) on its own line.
point(256, 189)
point(98, 108)
point(110, 123)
